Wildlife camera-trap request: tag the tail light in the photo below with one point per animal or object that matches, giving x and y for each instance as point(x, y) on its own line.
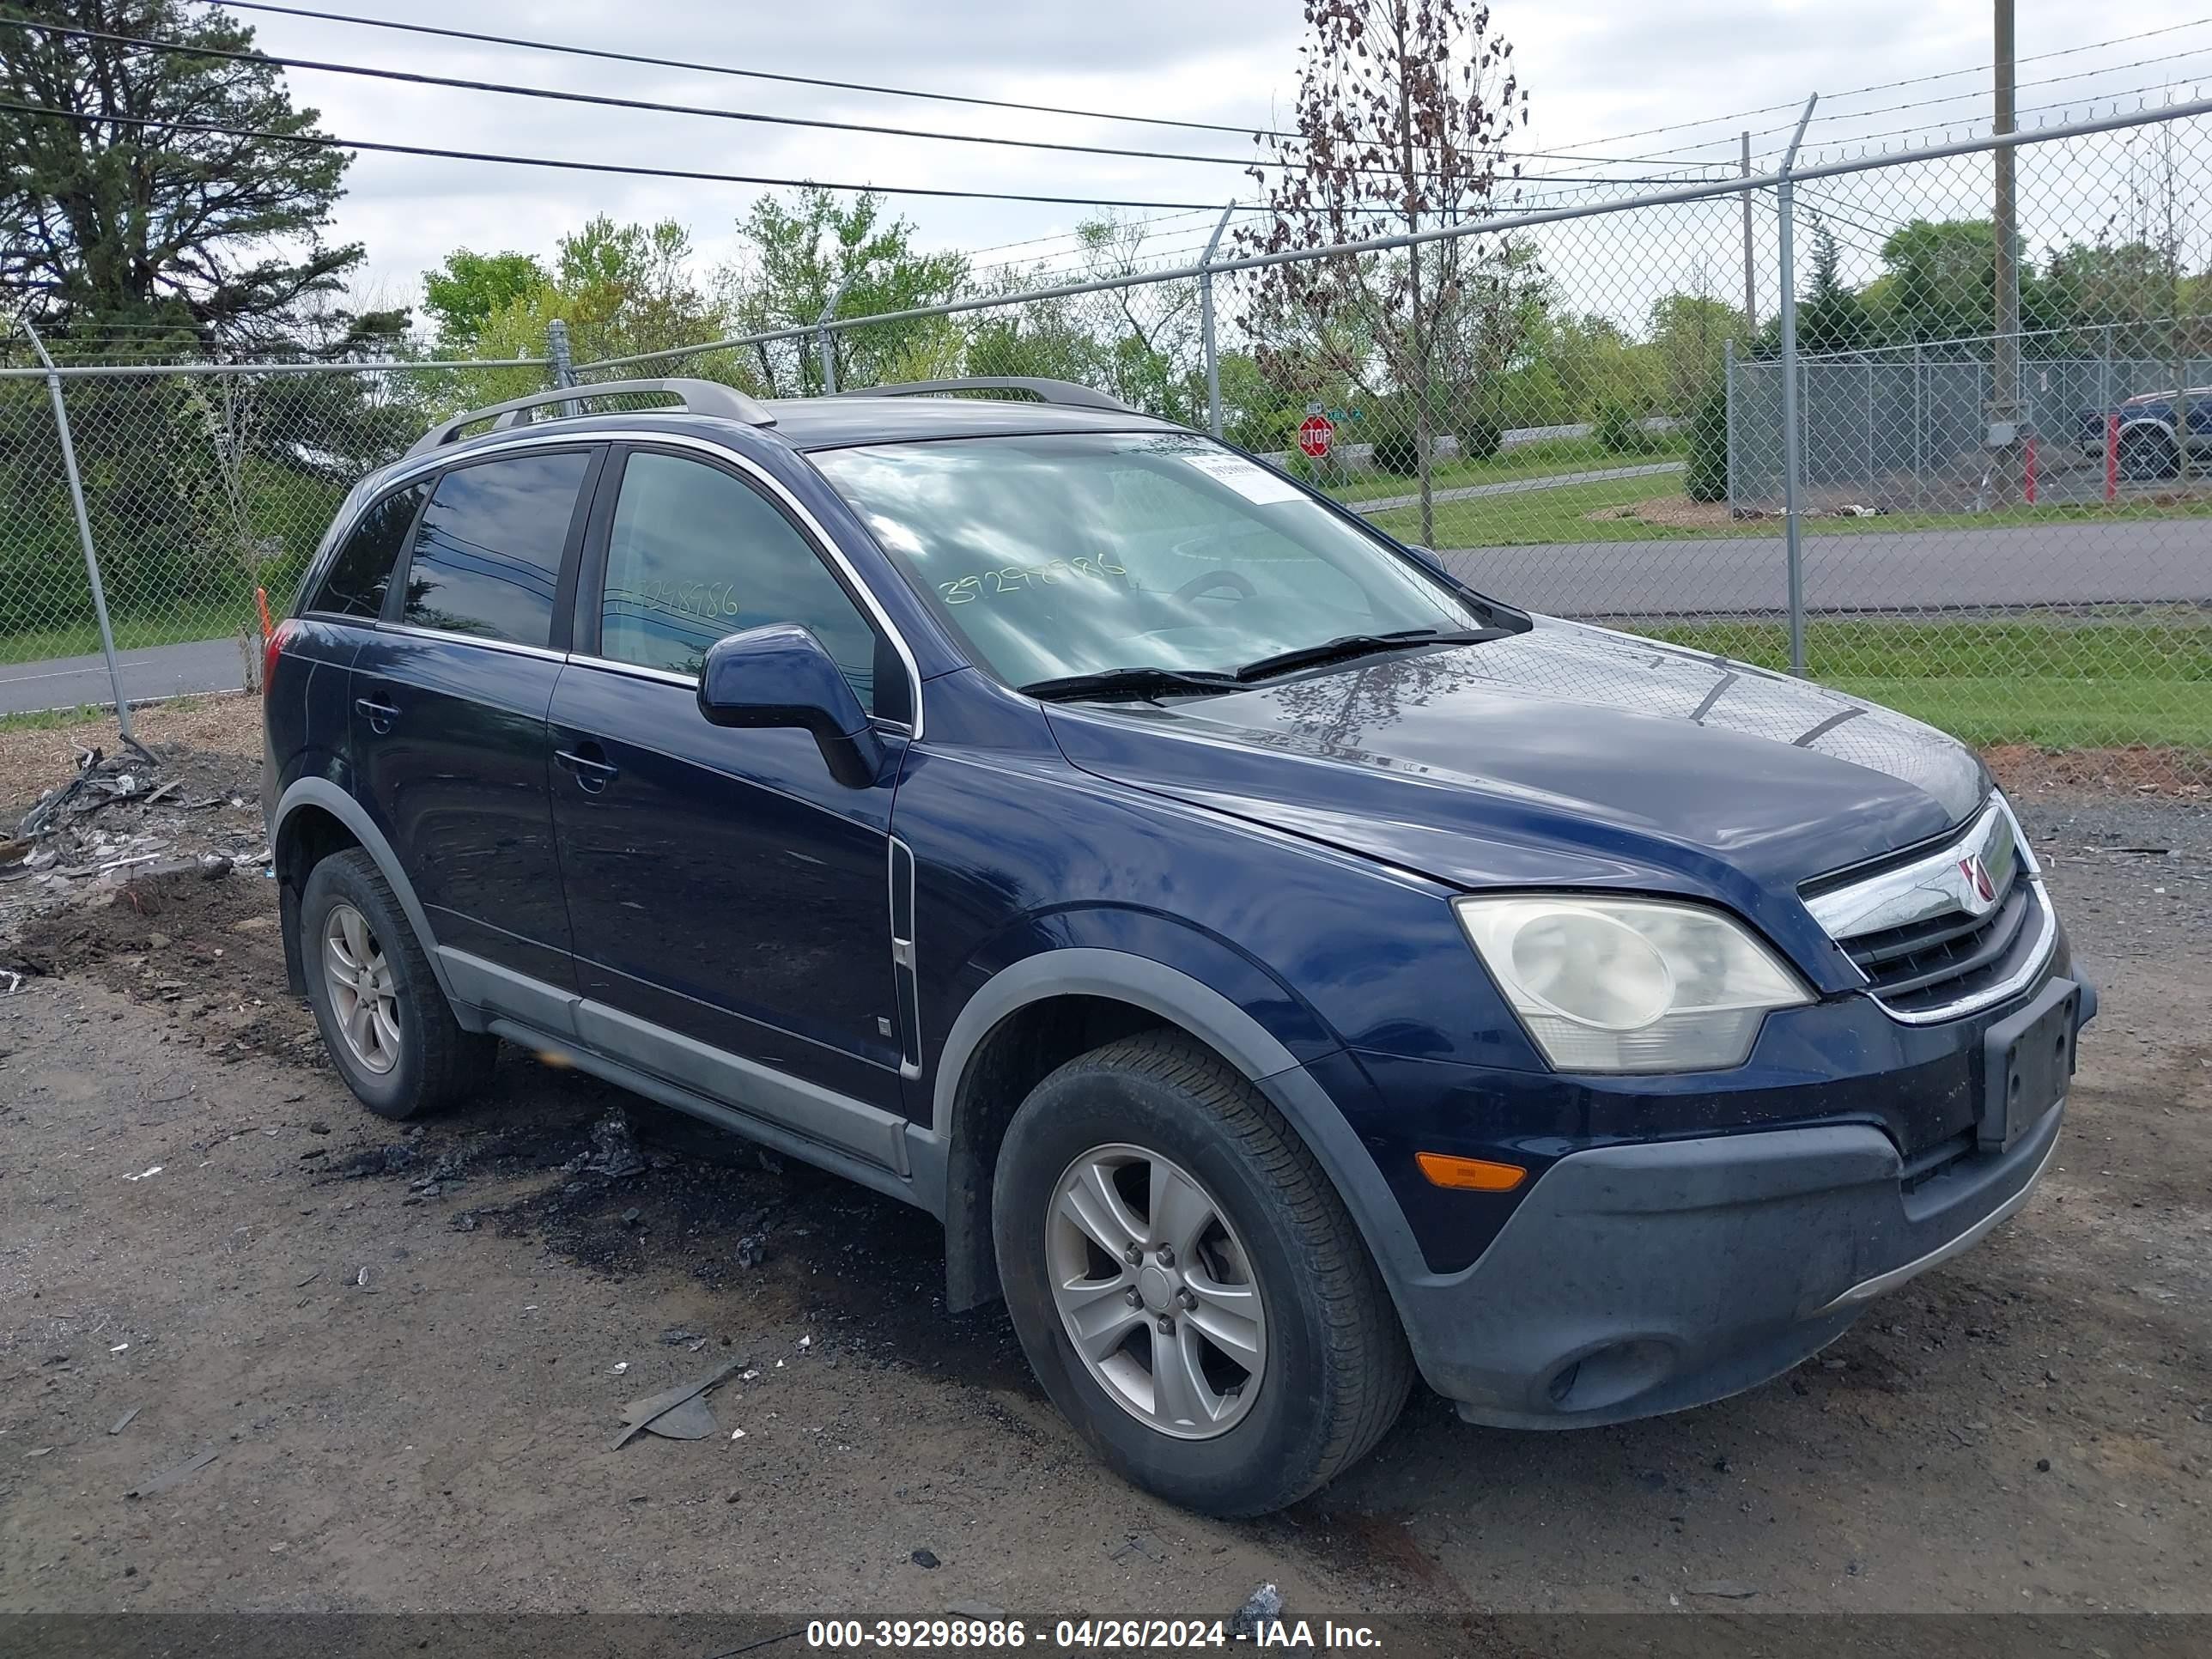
point(273, 648)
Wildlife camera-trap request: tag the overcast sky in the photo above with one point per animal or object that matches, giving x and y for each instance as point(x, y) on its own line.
point(1596, 71)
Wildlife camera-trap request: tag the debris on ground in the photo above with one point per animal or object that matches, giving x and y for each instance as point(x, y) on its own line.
point(677, 1413)
point(1264, 1605)
point(925, 1559)
point(1725, 1589)
point(170, 1477)
point(614, 1148)
point(124, 1421)
point(126, 817)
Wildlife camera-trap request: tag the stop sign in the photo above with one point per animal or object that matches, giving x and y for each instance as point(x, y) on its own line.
point(1316, 435)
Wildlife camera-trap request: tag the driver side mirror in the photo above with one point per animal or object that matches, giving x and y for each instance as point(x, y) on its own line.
point(779, 676)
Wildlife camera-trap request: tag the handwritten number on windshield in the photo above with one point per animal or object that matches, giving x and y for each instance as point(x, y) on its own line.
point(1014, 578)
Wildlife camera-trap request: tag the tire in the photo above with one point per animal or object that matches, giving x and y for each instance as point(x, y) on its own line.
point(2147, 456)
point(1333, 1369)
point(430, 1062)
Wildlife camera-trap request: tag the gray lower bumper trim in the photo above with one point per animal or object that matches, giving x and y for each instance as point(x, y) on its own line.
point(1866, 1290)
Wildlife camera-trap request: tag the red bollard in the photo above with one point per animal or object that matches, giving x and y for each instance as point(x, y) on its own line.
point(2112, 458)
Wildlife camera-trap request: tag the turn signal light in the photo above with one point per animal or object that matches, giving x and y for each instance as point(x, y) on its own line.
point(1471, 1175)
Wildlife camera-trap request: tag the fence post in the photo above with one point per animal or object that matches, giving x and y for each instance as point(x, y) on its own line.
point(1205, 323)
point(564, 369)
point(1793, 457)
point(823, 344)
point(1728, 419)
point(1919, 425)
point(84, 535)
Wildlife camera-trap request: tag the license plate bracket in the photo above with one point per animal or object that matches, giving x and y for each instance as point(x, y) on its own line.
point(2028, 1059)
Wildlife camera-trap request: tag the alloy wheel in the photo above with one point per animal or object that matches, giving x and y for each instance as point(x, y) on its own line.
point(1156, 1291)
point(363, 1000)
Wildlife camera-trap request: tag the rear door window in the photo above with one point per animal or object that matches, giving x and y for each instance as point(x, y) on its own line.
point(486, 559)
point(362, 572)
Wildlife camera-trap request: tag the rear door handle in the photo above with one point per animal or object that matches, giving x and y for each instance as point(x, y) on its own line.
point(588, 762)
point(380, 715)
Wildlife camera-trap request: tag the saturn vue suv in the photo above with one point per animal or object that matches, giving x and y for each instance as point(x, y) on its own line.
point(1285, 969)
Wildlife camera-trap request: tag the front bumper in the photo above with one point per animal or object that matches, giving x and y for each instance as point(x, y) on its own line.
point(1650, 1277)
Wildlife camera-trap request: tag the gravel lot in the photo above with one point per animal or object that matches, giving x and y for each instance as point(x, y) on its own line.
point(403, 1350)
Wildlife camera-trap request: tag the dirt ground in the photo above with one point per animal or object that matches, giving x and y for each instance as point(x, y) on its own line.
point(407, 1351)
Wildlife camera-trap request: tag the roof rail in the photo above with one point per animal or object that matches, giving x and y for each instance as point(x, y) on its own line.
point(694, 397)
point(1047, 392)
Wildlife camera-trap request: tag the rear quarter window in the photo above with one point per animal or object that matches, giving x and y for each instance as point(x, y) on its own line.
point(360, 575)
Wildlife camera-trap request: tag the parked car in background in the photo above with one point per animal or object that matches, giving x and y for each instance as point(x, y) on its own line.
point(1285, 969)
point(2149, 426)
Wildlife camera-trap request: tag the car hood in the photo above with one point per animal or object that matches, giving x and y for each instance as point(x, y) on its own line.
point(1563, 756)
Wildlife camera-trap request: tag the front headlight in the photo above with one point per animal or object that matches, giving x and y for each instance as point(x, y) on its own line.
point(1629, 985)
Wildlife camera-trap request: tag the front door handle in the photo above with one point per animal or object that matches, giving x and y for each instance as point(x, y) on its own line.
point(380, 715)
point(588, 762)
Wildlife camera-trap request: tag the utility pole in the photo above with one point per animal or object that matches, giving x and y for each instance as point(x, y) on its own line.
point(2005, 435)
point(1750, 266)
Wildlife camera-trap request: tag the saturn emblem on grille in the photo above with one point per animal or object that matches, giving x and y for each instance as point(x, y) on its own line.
point(1981, 892)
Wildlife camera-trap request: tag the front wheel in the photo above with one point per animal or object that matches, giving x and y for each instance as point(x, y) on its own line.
point(1187, 1284)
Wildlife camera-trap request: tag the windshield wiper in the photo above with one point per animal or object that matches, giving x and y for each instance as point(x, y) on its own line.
point(1131, 683)
point(1361, 645)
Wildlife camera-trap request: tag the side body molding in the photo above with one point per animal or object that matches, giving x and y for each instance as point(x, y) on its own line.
point(322, 793)
point(1180, 1001)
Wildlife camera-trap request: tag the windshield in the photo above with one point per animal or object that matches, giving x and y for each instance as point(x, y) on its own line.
point(1081, 553)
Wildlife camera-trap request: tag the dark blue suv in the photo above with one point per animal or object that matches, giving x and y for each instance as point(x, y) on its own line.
point(1284, 969)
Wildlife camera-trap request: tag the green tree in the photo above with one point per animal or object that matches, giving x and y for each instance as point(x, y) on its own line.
point(796, 256)
point(1690, 334)
point(465, 293)
point(1830, 316)
point(133, 217)
point(622, 289)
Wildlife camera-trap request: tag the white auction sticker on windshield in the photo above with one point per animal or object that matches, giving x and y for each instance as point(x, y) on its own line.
point(1254, 483)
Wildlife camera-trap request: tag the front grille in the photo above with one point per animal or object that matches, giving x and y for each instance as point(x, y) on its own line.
point(1946, 958)
point(1945, 929)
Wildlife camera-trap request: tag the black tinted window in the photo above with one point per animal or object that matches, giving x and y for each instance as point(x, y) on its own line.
point(362, 571)
point(487, 557)
point(694, 554)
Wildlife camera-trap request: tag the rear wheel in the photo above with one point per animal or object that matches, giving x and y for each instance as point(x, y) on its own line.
point(384, 1019)
point(2147, 455)
point(1187, 1284)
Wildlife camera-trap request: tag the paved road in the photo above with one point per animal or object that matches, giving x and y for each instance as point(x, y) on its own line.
point(1519, 486)
point(2151, 562)
point(160, 671)
point(2029, 564)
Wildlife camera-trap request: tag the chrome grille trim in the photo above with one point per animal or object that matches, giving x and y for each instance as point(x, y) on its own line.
point(1934, 885)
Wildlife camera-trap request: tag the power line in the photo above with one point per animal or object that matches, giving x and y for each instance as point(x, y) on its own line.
point(1251, 132)
point(650, 62)
point(436, 153)
point(608, 100)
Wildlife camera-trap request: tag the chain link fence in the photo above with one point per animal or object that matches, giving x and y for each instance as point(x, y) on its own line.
point(1580, 406)
point(202, 482)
